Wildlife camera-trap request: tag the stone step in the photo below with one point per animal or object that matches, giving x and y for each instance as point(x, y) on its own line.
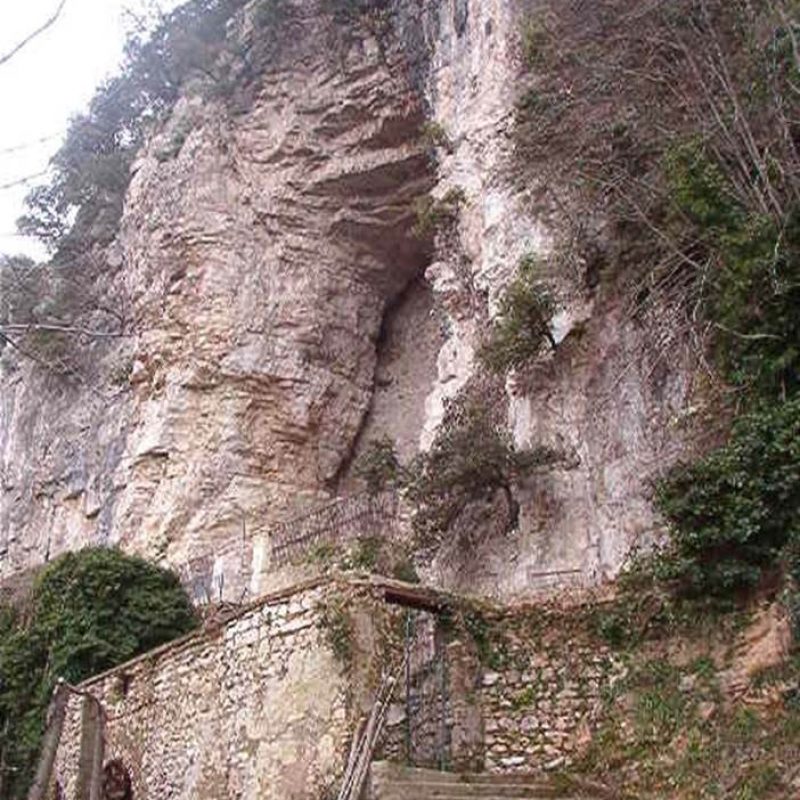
point(391, 771)
point(489, 796)
point(445, 789)
point(390, 781)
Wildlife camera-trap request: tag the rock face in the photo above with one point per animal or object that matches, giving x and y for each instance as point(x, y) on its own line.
point(278, 318)
point(615, 396)
point(258, 262)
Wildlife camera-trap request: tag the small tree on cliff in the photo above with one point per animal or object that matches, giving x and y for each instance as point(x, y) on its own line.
point(89, 611)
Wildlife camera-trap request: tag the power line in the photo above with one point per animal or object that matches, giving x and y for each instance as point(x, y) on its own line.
point(28, 145)
point(23, 181)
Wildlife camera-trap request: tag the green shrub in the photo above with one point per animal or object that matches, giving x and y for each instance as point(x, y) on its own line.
point(345, 11)
point(89, 612)
point(366, 552)
point(434, 215)
point(522, 329)
point(99, 607)
point(434, 135)
point(20, 289)
point(535, 40)
point(325, 555)
point(336, 625)
point(378, 466)
point(752, 294)
point(404, 569)
point(486, 635)
point(173, 146)
point(470, 459)
point(268, 14)
point(735, 514)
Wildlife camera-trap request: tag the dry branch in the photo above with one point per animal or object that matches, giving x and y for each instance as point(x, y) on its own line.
point(38, 32)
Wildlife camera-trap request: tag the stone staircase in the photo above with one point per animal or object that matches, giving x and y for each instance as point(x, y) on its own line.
point(389, 781)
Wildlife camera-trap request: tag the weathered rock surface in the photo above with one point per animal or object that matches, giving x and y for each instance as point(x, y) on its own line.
point(278, 318)
point(615, 397)
point(258, 263)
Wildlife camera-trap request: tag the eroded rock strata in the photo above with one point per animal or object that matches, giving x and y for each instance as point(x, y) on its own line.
point(279, 311)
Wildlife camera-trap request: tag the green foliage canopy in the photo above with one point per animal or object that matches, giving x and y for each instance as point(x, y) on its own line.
point(89, 612)
point(735, 514)
point(522, 328)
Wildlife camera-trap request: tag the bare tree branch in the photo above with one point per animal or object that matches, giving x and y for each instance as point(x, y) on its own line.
point(38, 32)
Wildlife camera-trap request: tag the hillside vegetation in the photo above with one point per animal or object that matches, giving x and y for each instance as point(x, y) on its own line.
point(89, 611)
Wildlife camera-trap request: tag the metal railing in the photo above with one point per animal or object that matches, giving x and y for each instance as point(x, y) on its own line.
point(227, 571)
point(342, 520)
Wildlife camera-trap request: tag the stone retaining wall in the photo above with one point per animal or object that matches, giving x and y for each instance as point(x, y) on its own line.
point(522, 690)
point(541, 709)
point(257, 708)
point(262, 706)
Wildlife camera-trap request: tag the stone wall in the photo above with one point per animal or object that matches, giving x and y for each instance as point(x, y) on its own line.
point(544, 674)
point(500, 689)
point(256, 708)
point(540, 710)
point(263, 705)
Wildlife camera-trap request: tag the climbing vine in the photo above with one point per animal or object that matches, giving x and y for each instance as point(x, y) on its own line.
point(89, 611)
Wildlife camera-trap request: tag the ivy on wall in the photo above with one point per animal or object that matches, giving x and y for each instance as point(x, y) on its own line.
point(89, 611)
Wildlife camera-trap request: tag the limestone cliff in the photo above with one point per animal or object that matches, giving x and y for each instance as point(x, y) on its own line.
point(279, 311)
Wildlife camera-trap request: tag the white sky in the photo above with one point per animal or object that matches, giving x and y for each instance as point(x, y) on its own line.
point(46, 83)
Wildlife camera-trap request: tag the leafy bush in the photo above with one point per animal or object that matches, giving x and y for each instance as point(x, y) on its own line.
point(522, 329)
point(434, 135)
point(89, 611)
point(752, 294)
point(734, 513)
point(378, 466)
point(405, 570)
point(20, 289)
point(433, 215)
point(470, 460)
point(270, 13)
point(536, 41)
point(366, 553)
point(347, 10)
point(337, 627)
